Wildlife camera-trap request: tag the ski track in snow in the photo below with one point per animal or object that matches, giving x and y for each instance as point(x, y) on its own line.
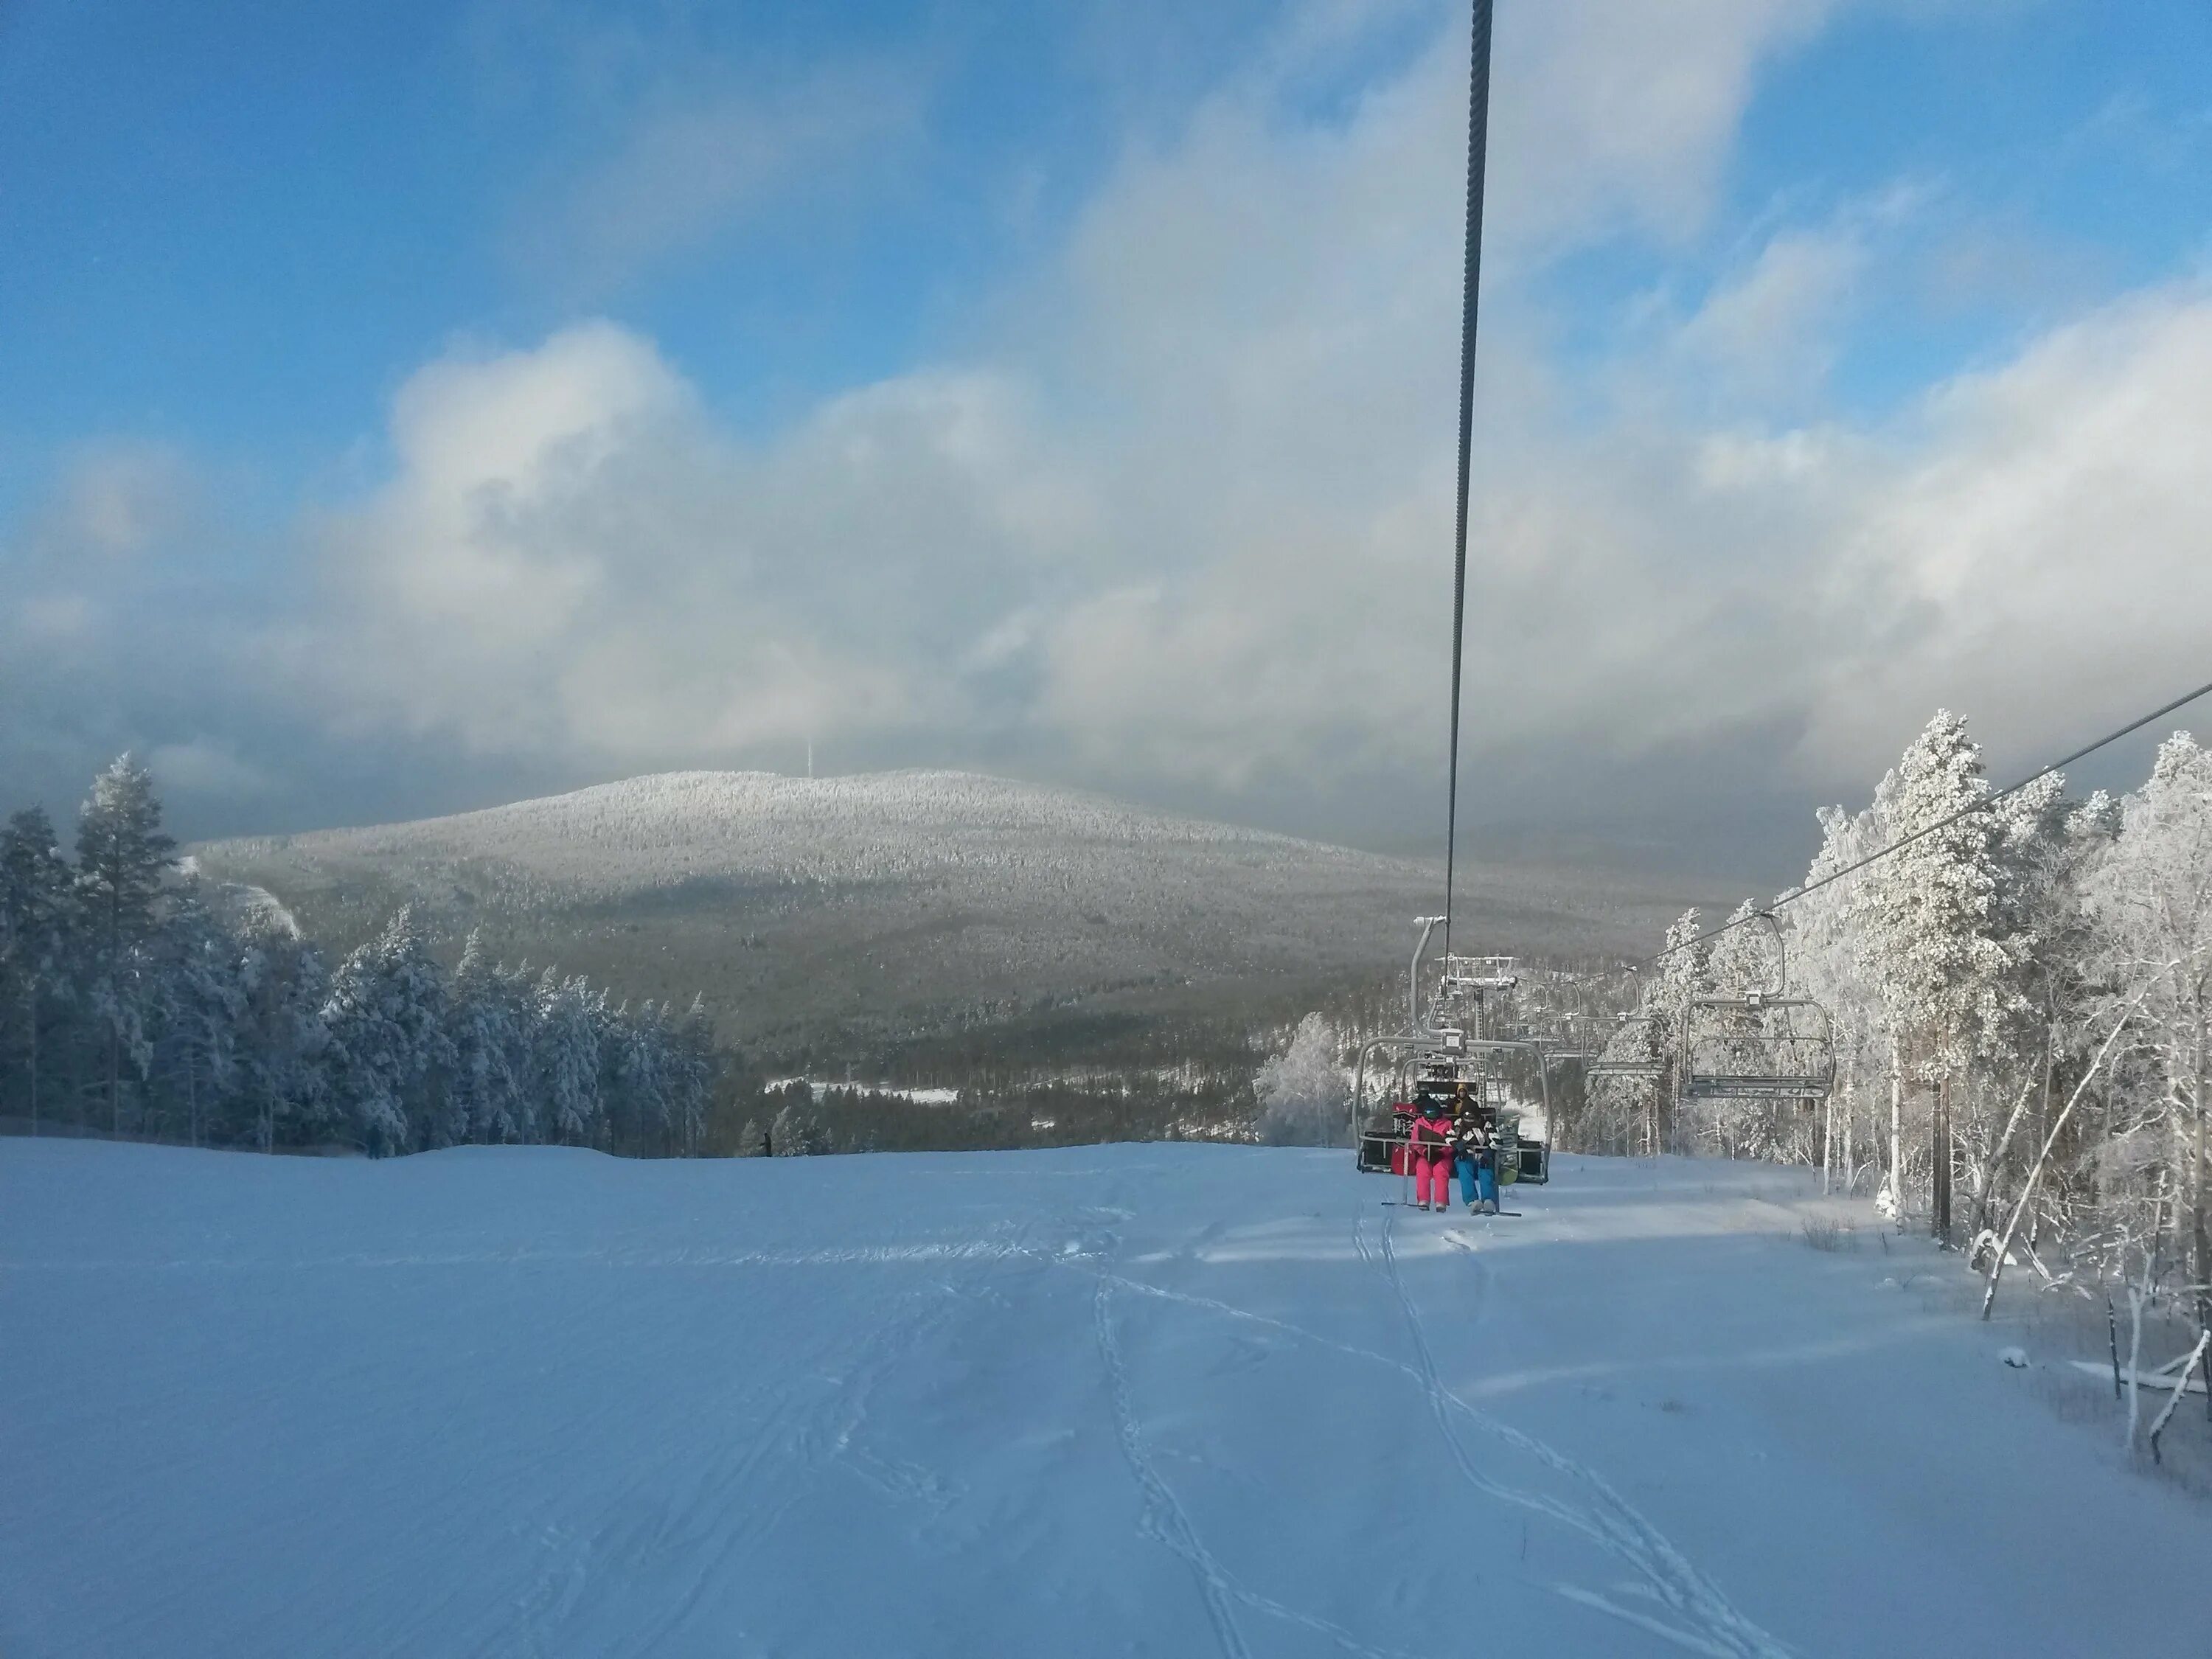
point(1164, 1518)
point(627, 1411)
point(1168, 1523)
point(808, 1435)
point(1668, 1579)
point(1611, 1521)
point(800, 1434)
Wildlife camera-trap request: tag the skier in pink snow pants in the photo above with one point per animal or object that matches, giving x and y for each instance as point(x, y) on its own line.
point(1430, 1152)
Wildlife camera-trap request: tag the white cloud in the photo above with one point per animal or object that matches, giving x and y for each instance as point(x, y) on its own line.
point(119, 499)
point(573, 559)
point(114, 509)
point(2044, 545)
point(1771, 331)
point(1183, 523)
point(1196, 531)
point(1624, 116)
point(209, 766)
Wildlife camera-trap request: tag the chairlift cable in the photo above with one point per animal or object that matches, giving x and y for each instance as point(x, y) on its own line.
point(1904, 841)
point(1478, 143)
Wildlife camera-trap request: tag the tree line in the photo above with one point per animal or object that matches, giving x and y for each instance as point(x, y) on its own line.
point(131, 1002)
point(2021, 1005)
point(1010, 1115)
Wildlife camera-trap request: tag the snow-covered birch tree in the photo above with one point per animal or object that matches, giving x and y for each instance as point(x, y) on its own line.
point(1304, 1092)
point(2151, 899)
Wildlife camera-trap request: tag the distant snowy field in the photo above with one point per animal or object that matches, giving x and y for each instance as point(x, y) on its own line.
point(1168, 1400)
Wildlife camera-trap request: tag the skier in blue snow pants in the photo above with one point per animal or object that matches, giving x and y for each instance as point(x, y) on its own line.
point(1477, 1158)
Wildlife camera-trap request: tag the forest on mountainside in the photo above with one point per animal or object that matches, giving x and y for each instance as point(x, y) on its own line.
point(898, 924)
point(139, 1000)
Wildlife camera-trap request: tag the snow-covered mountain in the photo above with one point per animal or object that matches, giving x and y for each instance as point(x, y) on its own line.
point(881, 898)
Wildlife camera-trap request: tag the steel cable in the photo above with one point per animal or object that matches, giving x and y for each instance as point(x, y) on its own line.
point(1903, 841)
point(1478, 143)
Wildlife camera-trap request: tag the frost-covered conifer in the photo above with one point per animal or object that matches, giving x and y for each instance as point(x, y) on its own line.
point(640, 1062)
point(121, 854)
point(1681, 974)
point(795, 1133)
point(286, 1052)
point(386, 1013)
point(692, 1068)
point(38, 944)
point(1931, 917)
point(233, 1030)
point(566, 1072)
point(199, 1003)
point(489, 1048)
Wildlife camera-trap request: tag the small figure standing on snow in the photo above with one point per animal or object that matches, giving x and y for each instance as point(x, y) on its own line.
point(1476, 1153)
point(1429, 1149)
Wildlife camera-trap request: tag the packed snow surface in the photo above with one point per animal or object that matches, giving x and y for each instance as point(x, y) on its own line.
point(1173, 1399)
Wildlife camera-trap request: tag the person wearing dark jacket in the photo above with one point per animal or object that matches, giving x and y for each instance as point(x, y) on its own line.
point(1474, 1150)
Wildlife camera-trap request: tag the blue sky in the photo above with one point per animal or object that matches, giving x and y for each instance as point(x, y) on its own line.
point(237, 226)
point(997, 386)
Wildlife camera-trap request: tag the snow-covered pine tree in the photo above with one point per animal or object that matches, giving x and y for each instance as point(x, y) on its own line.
point(523, 1002)
point(1623, 1104)
point(199, 1001)
point(566, 1076)
point(121, 856)
point(286, 1048)
point(637, 1055)
point(38, 916)
point(795, 1133)
point(387, 1014)
point(1930, 912)
point(488, 1048)
point(694, 1068)
point(1681, 974)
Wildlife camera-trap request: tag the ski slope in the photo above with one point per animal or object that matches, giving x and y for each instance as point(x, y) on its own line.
point(1167, 1400)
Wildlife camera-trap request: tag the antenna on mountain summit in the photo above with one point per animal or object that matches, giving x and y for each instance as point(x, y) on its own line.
point(1478, 141)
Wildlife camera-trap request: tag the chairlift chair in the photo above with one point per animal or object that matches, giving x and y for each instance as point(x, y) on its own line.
point(1758, 1045)
point(1437, 1054)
